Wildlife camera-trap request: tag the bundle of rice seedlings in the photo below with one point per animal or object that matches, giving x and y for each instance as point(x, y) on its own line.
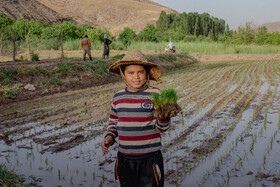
point(166, 102)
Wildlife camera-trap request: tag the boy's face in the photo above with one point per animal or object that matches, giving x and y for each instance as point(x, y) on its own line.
point(135, 76)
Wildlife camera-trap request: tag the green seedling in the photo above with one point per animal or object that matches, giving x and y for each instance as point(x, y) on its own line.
point(166, 102)
point(58, 174)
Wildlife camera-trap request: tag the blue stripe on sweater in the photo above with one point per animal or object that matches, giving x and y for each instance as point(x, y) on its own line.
point(149, 127)
point(131, 93)
point(140, 146)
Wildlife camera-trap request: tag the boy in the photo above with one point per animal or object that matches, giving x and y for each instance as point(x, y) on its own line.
point(139, 160)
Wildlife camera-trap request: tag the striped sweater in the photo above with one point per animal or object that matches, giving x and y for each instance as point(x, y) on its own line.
point(132, 120)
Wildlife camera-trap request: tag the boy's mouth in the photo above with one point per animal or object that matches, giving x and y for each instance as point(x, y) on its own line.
point(136, 82)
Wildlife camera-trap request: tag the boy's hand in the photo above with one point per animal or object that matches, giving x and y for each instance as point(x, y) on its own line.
point(107, 142)
point(167, 114)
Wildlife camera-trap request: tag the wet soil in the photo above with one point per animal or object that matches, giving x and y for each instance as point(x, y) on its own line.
point(227, 134)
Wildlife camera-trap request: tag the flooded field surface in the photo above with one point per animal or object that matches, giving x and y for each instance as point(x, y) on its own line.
point(227, 135)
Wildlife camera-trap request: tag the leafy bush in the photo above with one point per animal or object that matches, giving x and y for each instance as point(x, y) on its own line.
point(35, 57)
point(97, 34)
point(147, 34)
point(118, 45)
point(127, 36)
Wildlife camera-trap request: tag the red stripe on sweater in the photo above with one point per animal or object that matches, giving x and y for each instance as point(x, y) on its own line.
point(113, 117)
point(139, 138)
point(161, 121)
point(126, 119)
point(130, 101)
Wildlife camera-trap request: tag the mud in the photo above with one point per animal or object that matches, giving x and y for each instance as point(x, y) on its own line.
point(228, 133)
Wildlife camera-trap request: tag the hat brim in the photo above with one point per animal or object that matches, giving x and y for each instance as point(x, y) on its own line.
point(155, 71)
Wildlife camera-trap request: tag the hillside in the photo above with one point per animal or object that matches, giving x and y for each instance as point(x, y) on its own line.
point(30, 10)
point(272, 26)
point(113, 15)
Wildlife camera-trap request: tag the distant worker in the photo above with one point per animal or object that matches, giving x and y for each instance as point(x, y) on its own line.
point(86, 47)
point(170, 45)
point(107, 42)
point(170, 48)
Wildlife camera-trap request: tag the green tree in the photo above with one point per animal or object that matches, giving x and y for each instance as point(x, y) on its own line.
point(173, 35)
point(275, 38)
point(147, 34)
point(81, 30)
point(163, 22)
point(262, 36)
point(244, 35)
point(69, 30)
point(127, 36)
point(97, 34)
point(5, 25)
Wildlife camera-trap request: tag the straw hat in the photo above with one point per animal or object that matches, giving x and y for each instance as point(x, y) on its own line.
point(136, 57)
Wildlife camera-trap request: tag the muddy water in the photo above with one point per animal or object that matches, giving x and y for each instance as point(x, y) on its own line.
point(227, 135)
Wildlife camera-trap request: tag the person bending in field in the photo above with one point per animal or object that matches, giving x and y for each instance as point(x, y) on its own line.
point(132, 119)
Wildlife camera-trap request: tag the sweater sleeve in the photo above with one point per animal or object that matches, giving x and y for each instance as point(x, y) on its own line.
point(163, 124)
point(112, 125)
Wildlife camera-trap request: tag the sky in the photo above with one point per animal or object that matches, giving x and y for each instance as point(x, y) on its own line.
point(234, 12)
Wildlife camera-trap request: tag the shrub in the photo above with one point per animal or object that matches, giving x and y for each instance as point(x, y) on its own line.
point(35, 57)
point(127, 35)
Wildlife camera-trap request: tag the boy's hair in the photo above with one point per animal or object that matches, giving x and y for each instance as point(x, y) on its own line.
point(86, 36)
point(147, 68)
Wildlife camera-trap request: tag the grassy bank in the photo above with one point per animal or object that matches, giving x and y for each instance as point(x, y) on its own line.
point(70, 75)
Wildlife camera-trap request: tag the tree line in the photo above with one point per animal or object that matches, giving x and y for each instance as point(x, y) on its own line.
point(188, 27)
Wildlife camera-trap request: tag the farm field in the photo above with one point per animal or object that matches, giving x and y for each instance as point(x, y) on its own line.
point(227, 135)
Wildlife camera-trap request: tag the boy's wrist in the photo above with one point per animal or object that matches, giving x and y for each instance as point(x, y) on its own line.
point(164, 118)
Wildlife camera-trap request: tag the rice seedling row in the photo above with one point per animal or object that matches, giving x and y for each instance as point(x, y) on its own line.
point(229, 114)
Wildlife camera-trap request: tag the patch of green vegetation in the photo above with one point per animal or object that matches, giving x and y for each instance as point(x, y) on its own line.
point(102, 67)
point(10, 92)
point(35, 57)
point(9, 178)
point(151, 58)
point(7, 75)
point(119, 56)
point(177, 65)
point(55, 81)
point(186, 55)
point(33, 71)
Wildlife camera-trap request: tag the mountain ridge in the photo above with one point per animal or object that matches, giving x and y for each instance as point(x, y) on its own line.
point(113, 15)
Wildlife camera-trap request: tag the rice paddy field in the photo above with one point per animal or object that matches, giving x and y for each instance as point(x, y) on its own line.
point(227, 134)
